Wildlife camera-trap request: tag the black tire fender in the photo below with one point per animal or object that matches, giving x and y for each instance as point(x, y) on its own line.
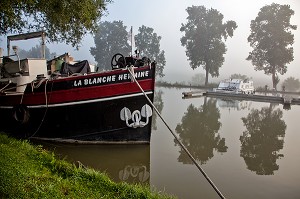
point(21, 114)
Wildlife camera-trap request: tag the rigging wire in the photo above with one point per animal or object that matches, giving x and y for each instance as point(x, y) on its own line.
point(130, 69)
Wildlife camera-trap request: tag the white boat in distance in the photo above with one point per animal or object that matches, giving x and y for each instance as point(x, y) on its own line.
point(236, 86)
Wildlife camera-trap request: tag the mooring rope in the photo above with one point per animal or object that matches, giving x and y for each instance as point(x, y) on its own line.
point(2, 89)
point(46, 102)
point(12, 88)
point(180, 143)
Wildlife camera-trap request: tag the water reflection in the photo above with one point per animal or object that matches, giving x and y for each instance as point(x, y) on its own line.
point(159, 104)
point(263, 139)
point(234, 104)
point(198, 131)
point(130, 163)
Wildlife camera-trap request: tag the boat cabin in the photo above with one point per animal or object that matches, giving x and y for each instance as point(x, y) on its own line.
point(16, 73)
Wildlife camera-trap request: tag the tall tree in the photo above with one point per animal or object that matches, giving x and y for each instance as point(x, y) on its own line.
point(203, 39)
point(110, 39)
point(148, 42)
point(271, 40)
point(63, 20)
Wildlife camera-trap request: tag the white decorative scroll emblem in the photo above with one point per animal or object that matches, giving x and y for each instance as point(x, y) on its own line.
point(134, 119)
point(139, 172)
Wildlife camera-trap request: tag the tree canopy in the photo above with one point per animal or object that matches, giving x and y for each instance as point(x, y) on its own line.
point(35, 52)
point(238, 76)
point(198, 131)
point(62, 20)
point(203, 39)
point(263, 139)
point(111, 38)
point(197, 79)
point(271, 39)
point(148, 42)
point(291, 84)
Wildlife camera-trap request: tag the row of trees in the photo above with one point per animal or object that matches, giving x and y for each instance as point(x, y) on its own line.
point(204, 33)
point(289, 84)
point(261, 141)
point(112, 38)
point(36, 53)
point(271, 39)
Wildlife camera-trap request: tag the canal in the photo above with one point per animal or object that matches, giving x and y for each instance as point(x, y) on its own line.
point(248, 149)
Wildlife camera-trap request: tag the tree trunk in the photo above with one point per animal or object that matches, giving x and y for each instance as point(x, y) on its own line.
point(274, 81)
point(206, 76)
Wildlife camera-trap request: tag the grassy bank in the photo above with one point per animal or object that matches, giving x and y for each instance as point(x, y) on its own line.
point(28, 171)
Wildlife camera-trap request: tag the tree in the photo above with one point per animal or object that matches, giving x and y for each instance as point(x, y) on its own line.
point(271, 40)
point(110, 39)
point(198, 79)
point(263, 140)
point(159, 104)
point(238, 76)
point(291, 84)
point(204, 32)
point(149, 43)
point(35, 52)
point(64, 20)
point(198, 131)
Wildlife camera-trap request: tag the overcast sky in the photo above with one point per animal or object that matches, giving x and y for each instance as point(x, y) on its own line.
point(166, 16)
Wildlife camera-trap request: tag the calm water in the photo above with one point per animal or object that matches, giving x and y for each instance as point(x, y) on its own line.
point(248, 149)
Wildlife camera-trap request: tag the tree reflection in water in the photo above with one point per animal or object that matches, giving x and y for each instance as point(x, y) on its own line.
point(263, 139)
point(159, 104)
point(198, 131)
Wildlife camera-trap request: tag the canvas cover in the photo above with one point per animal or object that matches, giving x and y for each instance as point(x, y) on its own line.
point(82, 67)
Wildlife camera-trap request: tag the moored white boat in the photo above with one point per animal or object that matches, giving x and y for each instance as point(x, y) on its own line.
point(236, 86)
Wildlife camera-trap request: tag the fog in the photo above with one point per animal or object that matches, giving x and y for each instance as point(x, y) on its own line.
point(166, 17)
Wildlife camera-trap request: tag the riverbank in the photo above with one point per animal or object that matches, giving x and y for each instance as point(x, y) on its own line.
point(28, 171)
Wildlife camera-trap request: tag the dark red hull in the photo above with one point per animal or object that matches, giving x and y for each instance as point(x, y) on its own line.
point(82, 108)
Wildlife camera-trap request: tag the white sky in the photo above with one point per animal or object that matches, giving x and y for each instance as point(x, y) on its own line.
point(166, 16)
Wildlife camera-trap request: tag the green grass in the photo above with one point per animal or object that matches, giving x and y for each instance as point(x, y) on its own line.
point(28, 171)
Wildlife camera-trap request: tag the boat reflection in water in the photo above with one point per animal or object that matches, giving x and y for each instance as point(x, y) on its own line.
point(129, 163)
point(234, 104)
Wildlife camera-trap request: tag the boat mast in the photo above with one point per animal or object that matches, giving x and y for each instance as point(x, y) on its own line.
point(131, 40)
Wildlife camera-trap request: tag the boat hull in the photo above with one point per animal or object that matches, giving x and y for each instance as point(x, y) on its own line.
point(98, 121)
point(64, 110)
